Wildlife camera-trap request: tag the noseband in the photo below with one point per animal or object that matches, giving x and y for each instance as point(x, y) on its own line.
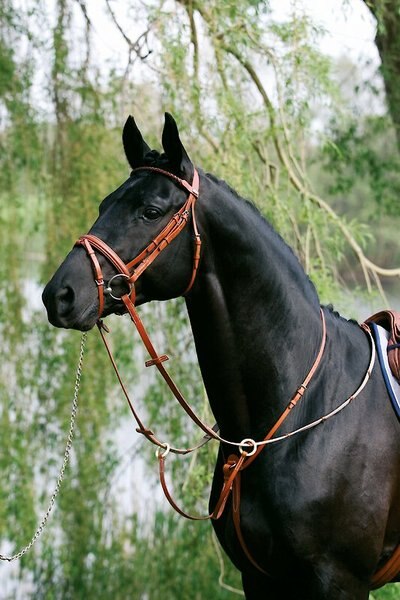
point(131, 271)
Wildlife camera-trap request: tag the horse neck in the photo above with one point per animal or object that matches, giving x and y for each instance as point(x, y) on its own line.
point(254, 315)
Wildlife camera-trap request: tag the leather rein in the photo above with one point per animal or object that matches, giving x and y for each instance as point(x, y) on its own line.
point(248, 449)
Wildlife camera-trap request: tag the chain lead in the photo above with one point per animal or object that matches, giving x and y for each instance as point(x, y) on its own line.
point(65, 461)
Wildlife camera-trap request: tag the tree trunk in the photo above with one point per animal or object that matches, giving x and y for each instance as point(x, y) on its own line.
point(387, 39)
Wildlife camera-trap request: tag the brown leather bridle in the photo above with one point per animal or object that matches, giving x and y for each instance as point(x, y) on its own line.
point(132, 270)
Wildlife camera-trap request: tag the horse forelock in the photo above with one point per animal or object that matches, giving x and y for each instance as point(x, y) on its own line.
point(155, 159)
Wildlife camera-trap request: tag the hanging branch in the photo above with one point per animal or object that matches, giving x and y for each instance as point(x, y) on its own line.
point(135, 47)
point(194, 39)
point(366, 264)
point(88, 23)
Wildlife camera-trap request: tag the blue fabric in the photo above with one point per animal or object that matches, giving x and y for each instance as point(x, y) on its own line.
point(381, 341)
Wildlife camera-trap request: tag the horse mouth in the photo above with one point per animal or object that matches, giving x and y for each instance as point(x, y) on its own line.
point(87, 320)
point(83, 321)
point(89, 317)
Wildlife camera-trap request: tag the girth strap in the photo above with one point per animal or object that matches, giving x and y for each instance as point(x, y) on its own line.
point(236, 520)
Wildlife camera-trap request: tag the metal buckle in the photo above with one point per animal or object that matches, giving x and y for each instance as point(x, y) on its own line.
point(108, 289)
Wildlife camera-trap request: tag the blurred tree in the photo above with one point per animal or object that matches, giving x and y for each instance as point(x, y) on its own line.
point(387, 14)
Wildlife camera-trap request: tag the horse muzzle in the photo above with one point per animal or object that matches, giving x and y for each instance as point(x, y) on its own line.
point(63, 309)
point(72, 302)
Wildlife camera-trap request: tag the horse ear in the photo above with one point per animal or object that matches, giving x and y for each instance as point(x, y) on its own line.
point(134, 145)
point(173, 148)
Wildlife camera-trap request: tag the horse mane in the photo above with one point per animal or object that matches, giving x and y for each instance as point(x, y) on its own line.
point(153, 158)
point(337, 315)
point(264, 222)
point(255, 209)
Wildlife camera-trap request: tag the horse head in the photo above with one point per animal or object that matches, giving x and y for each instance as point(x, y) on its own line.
point(130, 218)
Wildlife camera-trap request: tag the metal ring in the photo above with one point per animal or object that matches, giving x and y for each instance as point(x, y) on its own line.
point(166, 448)
point(248, 442)
point(108, 289)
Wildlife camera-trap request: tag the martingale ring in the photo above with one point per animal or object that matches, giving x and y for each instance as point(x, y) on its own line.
point(108, 289)
point(244, 444)
point(163, 451)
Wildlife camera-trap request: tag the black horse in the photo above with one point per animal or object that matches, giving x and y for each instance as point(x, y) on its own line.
point(320, 512)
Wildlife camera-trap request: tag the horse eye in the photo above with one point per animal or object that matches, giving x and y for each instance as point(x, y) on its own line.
point(151, 213)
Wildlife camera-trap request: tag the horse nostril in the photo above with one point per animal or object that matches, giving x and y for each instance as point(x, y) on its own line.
point(65, 299)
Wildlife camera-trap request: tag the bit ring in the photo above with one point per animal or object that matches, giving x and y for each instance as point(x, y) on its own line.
point(108, 289)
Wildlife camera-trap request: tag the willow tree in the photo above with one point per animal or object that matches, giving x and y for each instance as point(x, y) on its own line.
point(248, 90)
point(245, 90)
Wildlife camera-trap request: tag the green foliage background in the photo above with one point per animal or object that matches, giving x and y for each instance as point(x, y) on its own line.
point(246, 91)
